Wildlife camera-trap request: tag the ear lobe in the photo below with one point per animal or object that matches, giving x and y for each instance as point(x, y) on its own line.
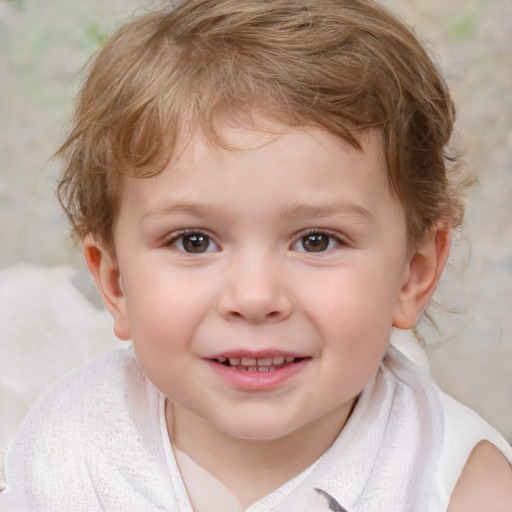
point(105, 272)
point(423, 273)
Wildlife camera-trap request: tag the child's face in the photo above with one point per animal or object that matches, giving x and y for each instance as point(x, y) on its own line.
point(260, 285)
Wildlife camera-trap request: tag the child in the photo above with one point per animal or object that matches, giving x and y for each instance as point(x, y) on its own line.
point(263, 193)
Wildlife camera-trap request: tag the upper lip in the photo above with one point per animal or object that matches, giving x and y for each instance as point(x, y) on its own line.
point(259, 354)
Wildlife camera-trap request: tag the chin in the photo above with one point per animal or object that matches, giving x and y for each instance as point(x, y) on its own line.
point(258, 430)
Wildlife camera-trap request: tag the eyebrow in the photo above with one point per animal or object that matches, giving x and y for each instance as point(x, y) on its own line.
point(306, 211)
point(287, 212)
point(201, 209)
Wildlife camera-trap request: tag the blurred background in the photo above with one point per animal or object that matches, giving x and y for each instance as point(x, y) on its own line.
point(50, 317)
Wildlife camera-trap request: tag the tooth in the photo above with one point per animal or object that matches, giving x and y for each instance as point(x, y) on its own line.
point(265, 362)
point(289, 359)
point(248, 361)
point(252, 369)
point(221, 359)
point(263, 368)
point(234, 361)
point(278, 360)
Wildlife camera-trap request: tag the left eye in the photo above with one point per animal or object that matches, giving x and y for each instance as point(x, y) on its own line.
point(195, 243)
point(316, 242)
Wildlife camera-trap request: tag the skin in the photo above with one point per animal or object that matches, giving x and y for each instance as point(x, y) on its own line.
point(485, 482)
point(255, 288)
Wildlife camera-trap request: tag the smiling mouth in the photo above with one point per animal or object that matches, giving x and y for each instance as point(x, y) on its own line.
point(250, 364)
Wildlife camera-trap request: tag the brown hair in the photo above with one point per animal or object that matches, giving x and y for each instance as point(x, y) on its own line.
point(344, 65)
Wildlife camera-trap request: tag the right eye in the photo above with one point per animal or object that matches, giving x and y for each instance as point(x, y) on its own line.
point(194, 243)
point(317, 241)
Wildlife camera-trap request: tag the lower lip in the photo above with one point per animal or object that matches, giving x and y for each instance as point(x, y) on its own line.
point(257, 381)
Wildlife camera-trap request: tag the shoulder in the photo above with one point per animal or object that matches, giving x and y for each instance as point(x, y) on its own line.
point(485, 483)
point(75, 401)
point(474, 454)
point(87, 388)
point(78, 404)
point(82, 423)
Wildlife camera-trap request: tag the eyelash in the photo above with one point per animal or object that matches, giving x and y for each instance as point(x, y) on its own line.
point(329, 235)
point(181, 235)
point(322, 232)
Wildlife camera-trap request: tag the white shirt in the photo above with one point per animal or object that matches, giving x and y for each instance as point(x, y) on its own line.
point(98, 441)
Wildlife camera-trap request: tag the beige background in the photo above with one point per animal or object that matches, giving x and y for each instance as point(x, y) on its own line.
point(46, 325)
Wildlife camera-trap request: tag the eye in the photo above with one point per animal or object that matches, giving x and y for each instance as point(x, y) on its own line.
point(194, 243)
point(316, 241)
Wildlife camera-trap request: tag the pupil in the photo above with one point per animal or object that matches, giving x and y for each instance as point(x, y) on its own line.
point(196, 243)
point(315, 243)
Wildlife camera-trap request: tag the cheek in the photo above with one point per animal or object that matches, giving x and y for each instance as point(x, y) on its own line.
point(358, 296)
point(165, 310)
point(161, 337)
point(159, 321)
point(157, 289)
point(354, 314)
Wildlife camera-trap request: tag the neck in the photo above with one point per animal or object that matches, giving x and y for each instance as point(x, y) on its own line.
point(252, 469)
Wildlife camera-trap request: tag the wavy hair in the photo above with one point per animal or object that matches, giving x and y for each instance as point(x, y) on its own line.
point(343, 65)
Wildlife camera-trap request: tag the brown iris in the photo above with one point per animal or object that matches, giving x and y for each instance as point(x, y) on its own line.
point(315, 242)
point(196, 243)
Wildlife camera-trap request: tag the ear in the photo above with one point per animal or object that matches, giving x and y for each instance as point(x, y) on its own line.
point(422, 275)
point(105, 272)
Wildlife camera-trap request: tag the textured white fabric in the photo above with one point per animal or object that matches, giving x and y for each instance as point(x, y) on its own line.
point(98, 441)
point(92, 443)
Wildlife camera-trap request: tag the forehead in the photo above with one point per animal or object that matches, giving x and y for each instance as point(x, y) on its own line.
point(271, 167)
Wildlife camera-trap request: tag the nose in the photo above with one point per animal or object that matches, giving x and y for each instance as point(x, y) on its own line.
point(255, 290)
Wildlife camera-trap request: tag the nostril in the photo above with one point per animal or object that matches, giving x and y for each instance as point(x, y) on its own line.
point(270, 316)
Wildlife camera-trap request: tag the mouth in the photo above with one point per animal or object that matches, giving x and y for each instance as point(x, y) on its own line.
point(261, 365)
point(258, 372)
